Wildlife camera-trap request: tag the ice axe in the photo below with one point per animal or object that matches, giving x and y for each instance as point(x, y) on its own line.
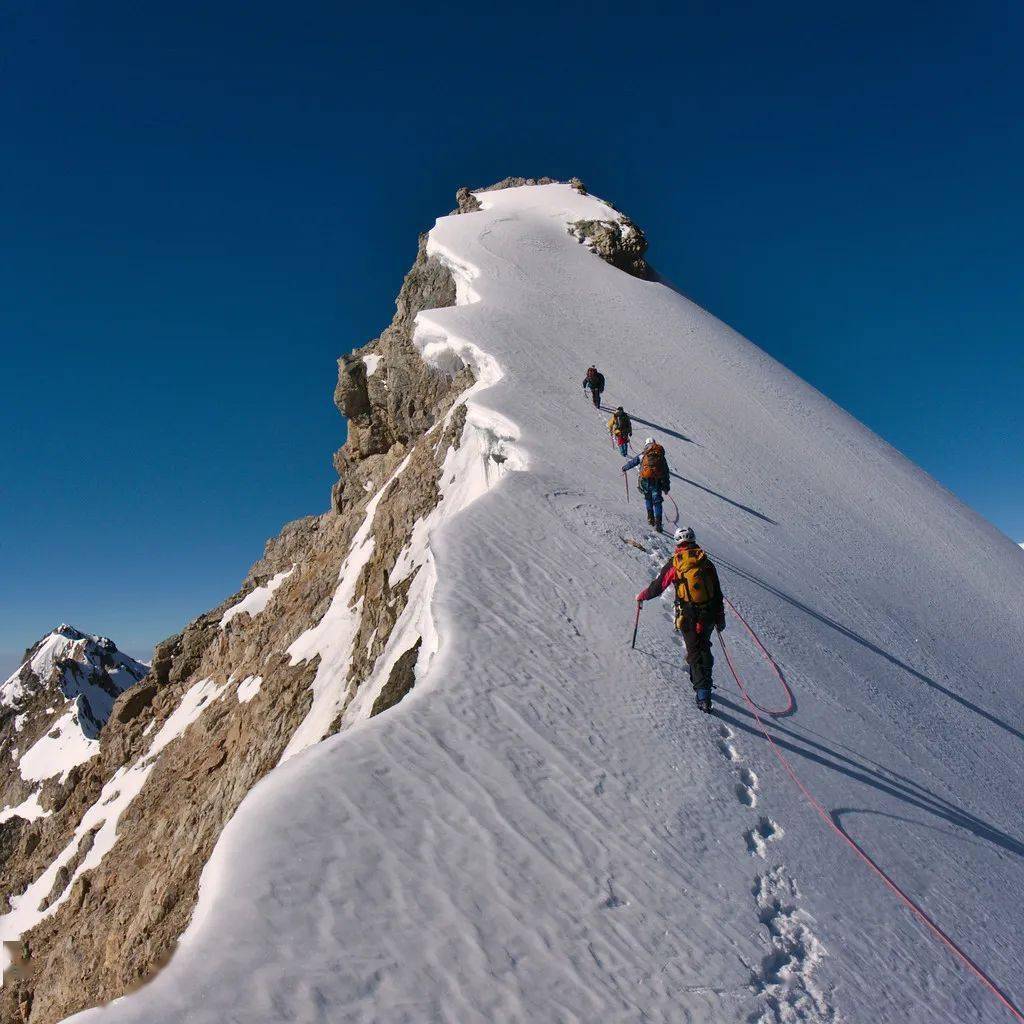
point(636, 624)
point(625, 477)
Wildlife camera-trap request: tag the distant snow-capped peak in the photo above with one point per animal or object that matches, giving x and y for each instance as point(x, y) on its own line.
point(87, 670)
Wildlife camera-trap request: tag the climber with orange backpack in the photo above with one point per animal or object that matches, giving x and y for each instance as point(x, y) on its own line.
point(654, 478)
point(699, 607)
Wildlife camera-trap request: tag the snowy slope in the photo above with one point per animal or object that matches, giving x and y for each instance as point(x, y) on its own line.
point(545, 830)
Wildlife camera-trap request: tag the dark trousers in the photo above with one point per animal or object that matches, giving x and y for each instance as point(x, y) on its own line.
point(696, 628)
point(596, 396)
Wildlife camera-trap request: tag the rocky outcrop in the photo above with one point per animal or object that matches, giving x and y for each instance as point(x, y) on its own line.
point(618, 242)
point(400, 682)
point(388, 394)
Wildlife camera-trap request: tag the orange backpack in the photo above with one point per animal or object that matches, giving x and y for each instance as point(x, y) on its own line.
point(653, 465)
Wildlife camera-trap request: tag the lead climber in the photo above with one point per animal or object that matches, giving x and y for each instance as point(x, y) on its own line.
point(654, 478)
point(594, 380)
point(621, 429)
point(699, 607)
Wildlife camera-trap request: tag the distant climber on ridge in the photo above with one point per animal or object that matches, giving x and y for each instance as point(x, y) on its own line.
point(654, 478)
point(621, 429)
point(595, 381)
point(700, 607)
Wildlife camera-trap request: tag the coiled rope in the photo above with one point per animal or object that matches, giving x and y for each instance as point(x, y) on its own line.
point(790, 702)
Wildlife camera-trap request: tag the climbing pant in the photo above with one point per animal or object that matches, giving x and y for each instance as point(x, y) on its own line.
point(698, 643)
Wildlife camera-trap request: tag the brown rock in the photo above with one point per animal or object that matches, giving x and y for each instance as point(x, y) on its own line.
point(620, 243)
point(400, 681)
point(131, 703)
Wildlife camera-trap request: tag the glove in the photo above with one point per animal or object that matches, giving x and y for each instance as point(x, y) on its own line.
point(640, 597)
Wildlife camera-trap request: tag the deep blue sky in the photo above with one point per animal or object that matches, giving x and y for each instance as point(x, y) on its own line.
point(204, 205)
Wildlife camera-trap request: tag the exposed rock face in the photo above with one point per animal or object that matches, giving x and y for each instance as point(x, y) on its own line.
point(620, 243)
point(116, 863)
point(400, 682)
point(398, 401)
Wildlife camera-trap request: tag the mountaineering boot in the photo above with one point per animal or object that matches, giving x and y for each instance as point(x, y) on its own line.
point(657, 525)
point(704, 700)
point(650, 519)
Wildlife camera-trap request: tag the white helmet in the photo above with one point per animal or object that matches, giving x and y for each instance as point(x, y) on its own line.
point(648, 442)
point(685, 535)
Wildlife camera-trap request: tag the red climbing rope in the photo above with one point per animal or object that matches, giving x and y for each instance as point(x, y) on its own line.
point(675, 522)
point(827, 818)
point(775, 713)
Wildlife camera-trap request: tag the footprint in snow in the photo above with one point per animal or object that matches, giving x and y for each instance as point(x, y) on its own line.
point(746, 788)
point(758, 838)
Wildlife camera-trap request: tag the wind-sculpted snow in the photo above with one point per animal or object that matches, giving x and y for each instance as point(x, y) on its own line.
point(545, 829)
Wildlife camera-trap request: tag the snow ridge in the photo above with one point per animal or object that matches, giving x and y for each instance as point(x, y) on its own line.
point(487, 450)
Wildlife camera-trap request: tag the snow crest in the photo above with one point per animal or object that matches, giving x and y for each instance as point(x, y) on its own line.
point(488, 449)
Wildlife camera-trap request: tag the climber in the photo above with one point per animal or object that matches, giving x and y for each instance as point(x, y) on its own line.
point(621, 429)
point(595, 381)
point(699, 608)
point(654, 478)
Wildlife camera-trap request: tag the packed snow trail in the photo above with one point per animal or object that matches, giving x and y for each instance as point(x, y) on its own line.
point(546, 829)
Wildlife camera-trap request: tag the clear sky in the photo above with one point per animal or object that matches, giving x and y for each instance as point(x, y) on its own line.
point(204, 204)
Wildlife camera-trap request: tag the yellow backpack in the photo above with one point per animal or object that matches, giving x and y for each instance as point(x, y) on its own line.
point(694, 583)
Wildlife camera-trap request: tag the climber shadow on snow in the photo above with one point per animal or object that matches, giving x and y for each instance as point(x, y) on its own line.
point(856, 768)
point(664, 430)
point(874, 648)
point(722, 497)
